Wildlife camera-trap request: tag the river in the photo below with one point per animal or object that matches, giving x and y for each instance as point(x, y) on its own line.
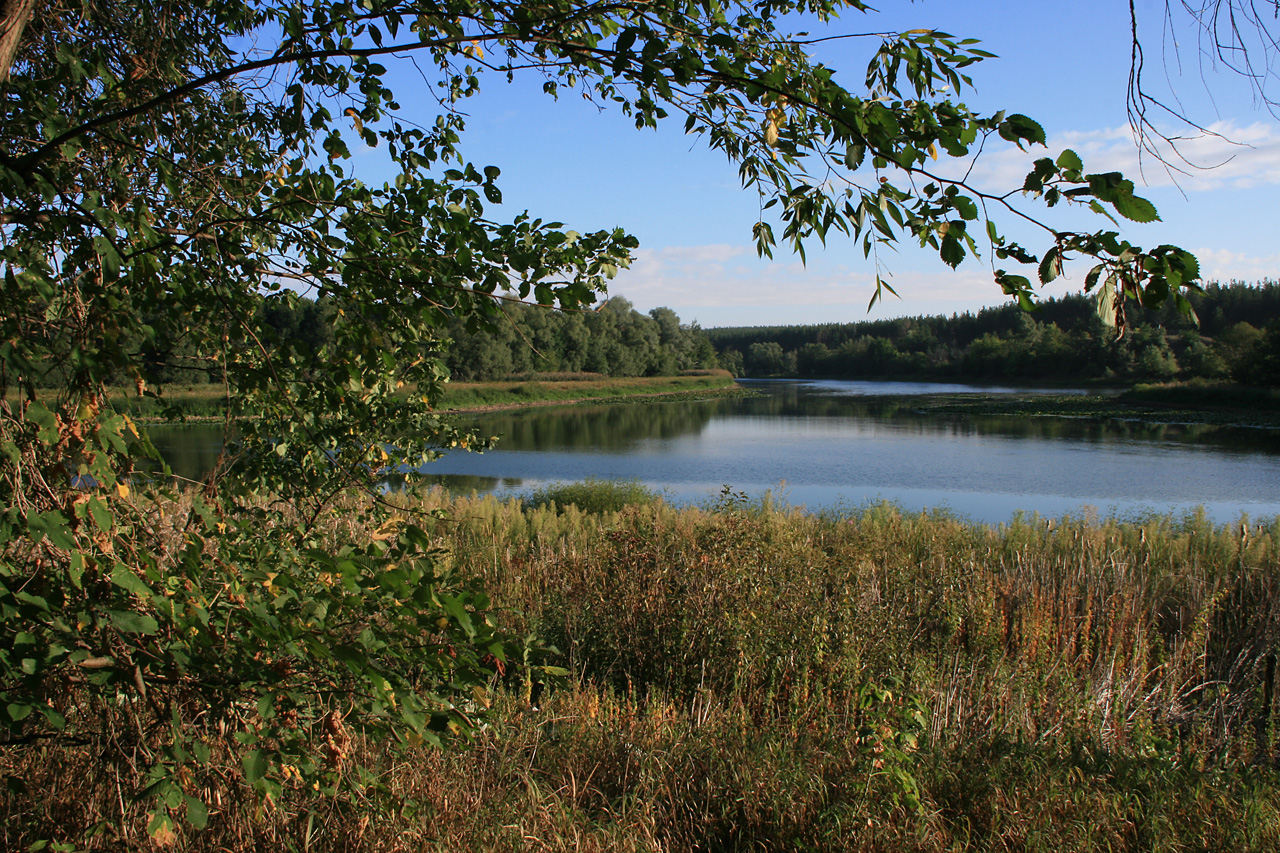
point(839, 445)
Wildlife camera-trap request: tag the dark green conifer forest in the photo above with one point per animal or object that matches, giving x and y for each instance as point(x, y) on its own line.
point(1236, 338)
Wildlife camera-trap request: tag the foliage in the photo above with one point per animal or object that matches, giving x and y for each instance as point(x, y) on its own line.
point(753, 677)
point(615, 340)
point(165, 165)
point(1063, 340)
point(593, 496)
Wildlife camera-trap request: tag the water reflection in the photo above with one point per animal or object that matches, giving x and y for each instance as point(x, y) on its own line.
point(616, 427)
point(620, 427)
point(835, 446)
point(191, 450)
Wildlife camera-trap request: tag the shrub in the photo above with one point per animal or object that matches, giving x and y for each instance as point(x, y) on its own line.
point(593, 495)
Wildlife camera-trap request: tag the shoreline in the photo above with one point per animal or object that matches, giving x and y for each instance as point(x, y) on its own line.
point(512, 395)
point(733, 390)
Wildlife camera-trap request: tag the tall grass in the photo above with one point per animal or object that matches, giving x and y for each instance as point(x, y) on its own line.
point(750, 677)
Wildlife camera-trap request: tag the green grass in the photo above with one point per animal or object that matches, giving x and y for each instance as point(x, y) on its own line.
point(481, 395)
point(592, 496)
point(1199, 393)
point(1215, 405)
point(204, 402)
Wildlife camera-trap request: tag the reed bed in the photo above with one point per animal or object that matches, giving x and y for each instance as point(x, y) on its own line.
point(746, 676)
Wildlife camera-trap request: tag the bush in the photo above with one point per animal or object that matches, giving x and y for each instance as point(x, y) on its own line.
point(594, 496)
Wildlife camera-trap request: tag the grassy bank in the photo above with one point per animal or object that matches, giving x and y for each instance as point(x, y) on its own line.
point(746, 677)
point(209, 401)
point(1214, 405)
point(1220, 404)
point(474, 396)
point(1204, 395)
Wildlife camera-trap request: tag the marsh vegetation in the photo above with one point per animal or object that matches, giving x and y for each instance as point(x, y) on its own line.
point(746, 676)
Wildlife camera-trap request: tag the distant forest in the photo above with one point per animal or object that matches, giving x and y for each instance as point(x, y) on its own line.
point(1064, 340)
point(613, 340)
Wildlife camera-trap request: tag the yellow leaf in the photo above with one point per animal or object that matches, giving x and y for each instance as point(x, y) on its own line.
point(122, 489)
point(355, 118)
point(933, 150)
point(771, 134)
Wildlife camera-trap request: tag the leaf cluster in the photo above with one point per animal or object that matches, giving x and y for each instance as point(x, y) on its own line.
point(163, 165)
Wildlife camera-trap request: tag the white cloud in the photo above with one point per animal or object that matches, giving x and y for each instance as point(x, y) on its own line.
point(1224, 265)
point(723, 284)
point(1231, 156)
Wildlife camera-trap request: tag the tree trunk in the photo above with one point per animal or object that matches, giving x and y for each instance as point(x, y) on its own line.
point(14, 15)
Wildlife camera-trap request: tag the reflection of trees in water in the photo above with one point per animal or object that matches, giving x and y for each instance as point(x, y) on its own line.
point(608, 427)
point(191, 451)
point(463, 483)
point(799, 401)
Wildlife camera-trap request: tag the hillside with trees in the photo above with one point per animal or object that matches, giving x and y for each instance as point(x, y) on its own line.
point(1064, 340)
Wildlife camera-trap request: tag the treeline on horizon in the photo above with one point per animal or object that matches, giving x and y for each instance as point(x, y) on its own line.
point(612, 340)
point(1238, 339)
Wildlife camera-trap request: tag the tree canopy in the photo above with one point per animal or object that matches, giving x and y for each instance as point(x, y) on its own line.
point(163, 165)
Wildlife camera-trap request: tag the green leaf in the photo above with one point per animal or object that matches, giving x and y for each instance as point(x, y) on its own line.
point(1012, 284)
point(951, 251)
point(102, 515)
point(125, 578)
point(455, 608)
point(1135, 208)
point(45, 420)
point(133, 623)
point(1018, 127)
point(197, 812)
point(1069, 159)
point(967, 209)
point(52, 525)
point(1048, 270)
point(255, 766)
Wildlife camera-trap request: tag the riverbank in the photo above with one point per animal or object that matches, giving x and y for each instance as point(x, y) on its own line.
point(468, 397)
point(1217, 404)
point(745, 676)
point(1212, 404)
point(208, 402)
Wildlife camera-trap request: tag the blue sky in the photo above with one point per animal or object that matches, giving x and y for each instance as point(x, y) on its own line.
point(1065, 65)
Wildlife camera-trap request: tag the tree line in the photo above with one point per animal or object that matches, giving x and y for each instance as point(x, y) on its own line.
point(613, 340)
point(1064, 339)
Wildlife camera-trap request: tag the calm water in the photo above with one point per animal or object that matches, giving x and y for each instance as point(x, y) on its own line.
point(826, 445)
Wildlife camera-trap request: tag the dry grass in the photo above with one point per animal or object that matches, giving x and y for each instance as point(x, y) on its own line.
point(751, 678)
